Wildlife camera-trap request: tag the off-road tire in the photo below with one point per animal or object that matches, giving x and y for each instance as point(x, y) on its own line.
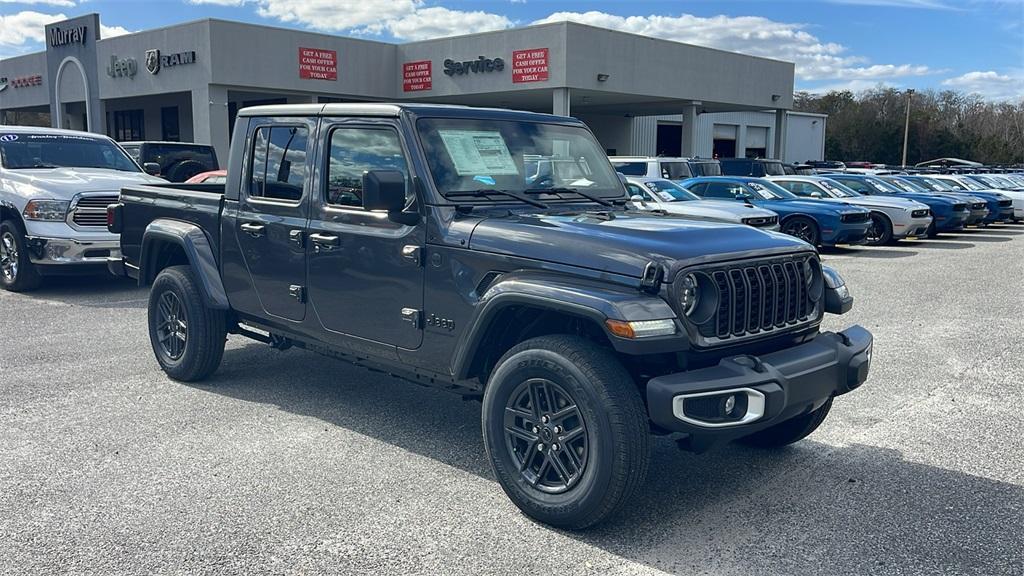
point(26, 277)
point(614, 420)
point(790, 431)
point(206, 331)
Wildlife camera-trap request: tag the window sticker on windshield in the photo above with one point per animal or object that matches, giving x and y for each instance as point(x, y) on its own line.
point(761, 190)
point(665, 196)
point(478, 152)
point(8, 138)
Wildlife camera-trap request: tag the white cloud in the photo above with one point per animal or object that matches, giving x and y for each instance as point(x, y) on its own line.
point(65, 3)
point(21, 28)
point(111, 31)
point(437, 21)
point(815, 59)
point(990, 84)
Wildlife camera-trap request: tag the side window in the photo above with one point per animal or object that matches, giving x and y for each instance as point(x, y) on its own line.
point(634, 190)
point(355, 151)
point(724, 190)
point(858, 186)
point(700, 188)
point(798, 188)
point(278, 163)
point(631, 168)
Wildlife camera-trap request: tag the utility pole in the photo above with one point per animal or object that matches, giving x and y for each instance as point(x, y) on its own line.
point(906, 126)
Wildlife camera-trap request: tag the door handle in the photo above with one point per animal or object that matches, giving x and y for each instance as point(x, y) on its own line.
point(254, 230)
point(323, 241)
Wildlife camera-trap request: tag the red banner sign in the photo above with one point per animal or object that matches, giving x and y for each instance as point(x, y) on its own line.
point(316, 64)
point(417, 76)
point(530, 65)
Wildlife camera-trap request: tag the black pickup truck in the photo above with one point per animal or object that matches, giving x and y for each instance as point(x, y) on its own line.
point(409, 239)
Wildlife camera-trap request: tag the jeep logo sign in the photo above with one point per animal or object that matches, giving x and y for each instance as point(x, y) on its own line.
point(65, 36)
point(156, 61)
point(122, 67)
point(481, 64)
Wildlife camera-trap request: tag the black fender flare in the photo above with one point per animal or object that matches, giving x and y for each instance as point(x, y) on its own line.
point(198, 249)
point(590, 300)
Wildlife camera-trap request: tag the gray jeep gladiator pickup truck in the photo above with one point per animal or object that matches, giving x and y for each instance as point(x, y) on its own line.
point(411, 239)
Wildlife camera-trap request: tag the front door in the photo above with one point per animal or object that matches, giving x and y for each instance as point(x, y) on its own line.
point(273, 213)
point(365, 271)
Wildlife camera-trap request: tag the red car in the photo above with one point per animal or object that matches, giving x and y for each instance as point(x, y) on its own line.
point(211, 177)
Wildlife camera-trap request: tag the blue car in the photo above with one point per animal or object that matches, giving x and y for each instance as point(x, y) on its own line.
point(817, 223)
point(948, 213)
point(977, 208)
point(1000, 207)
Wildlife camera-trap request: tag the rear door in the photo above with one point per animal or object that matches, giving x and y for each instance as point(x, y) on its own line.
point(273, 213)
point(365, 271)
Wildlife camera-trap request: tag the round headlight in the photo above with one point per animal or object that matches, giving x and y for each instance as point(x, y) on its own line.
point(689, 294)
point(812, 276)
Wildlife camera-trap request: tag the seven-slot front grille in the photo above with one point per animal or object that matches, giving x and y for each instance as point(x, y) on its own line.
point(760, 297)
point(92, 210)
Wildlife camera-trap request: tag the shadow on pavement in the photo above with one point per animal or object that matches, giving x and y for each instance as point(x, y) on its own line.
point(97, 291)
point(866, 252)
point(735, 510)
point(942, 242)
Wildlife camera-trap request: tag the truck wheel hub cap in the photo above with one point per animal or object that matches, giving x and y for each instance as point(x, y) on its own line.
point(171, 328)
point(9, 257)
point(545, 436)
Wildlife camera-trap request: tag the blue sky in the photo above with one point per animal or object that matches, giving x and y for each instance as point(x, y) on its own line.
point(970, 45)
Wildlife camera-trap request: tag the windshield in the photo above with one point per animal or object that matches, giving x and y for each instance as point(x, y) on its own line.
point(938, 185)
point(837, 190)
point(970, 183)
point(905, 186)
point(707, 168)
point(881, 185)
point(668, 191)
point(478, 156)
point(774, 169)
point(769, 190)
point(28, 151)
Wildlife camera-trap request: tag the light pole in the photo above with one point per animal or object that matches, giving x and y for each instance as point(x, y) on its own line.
point(906, 126)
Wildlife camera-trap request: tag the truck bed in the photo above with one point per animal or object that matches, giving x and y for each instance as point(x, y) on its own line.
point(200, 204)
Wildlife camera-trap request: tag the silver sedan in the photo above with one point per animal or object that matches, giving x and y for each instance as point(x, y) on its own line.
point(659, 194)
point(891, 218)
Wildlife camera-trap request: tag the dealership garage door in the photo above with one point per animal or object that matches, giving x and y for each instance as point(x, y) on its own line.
point(757, 142)
point(670, 139)
point(725, 140)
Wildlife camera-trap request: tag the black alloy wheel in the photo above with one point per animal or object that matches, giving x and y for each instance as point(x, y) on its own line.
point(546, 436)
point(879, 232)
point(802, 228)
point(172, 326)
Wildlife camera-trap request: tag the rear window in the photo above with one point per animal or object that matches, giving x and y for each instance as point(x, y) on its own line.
point(675, 170)
point(631, 168)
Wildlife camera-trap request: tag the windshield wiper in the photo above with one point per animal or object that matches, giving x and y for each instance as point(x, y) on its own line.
point(483, 192)
point(40, 166)
point(563, 190)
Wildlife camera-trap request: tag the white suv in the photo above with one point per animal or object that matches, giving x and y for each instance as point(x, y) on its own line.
point(653, 167)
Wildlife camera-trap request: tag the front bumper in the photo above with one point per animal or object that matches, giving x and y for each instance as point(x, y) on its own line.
point(71, 252)
point(854, 233)
point(977, 216)
point(790, 382)
point(913, 227)
point(955, 221)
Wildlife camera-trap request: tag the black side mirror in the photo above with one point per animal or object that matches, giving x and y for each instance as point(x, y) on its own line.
point(384, 190)
point(151, 168)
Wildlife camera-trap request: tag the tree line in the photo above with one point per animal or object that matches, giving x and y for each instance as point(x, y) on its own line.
point(868, 126)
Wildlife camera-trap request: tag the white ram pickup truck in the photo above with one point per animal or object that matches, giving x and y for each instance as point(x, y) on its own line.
point(55, 186)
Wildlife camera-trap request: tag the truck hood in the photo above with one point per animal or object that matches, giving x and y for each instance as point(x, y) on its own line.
point(624, 242)
point(719, 209)
point(64, 183)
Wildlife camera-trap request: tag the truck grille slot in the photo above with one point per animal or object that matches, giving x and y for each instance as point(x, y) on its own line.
point(92, 210)
point(760, 297)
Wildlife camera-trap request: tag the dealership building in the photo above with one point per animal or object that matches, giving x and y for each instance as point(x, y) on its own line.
point(186, 82)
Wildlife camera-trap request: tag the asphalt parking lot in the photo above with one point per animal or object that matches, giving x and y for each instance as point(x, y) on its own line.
point(291, 463)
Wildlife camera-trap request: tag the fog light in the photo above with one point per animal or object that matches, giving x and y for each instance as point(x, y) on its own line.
point(730, 403)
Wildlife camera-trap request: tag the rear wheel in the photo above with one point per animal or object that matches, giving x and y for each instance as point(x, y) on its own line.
point(790, 431)
point(880, 231)
point(187, 336)
point(17, 273)
point(565, 430)
point(803, 228)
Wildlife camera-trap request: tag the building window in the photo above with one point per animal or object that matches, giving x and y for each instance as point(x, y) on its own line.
point(126, 125)
point(169, 126)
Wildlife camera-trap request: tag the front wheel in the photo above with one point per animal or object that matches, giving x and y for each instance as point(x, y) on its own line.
point(17, 273)
point(565, 430)
point(790, 431)
point(187, 336)
point(803, 228)
point(880, 231)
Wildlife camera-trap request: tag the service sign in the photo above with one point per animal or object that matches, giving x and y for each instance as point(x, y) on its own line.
point(417, 76)
point(317, 64)
point(530, 65)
